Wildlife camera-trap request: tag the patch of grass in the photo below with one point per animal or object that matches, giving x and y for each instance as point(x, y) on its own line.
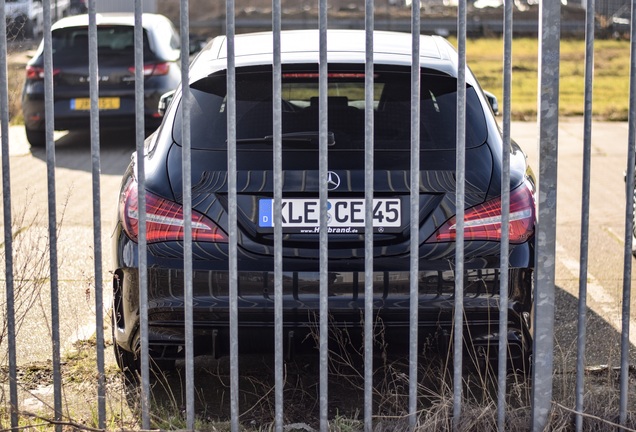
point(611, 75)
point(16, 81)
point(485, 57)
point(16, 76)
point(79, 378)
point(346, 384)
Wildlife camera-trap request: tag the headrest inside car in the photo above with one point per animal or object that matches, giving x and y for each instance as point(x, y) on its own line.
point(332, 102)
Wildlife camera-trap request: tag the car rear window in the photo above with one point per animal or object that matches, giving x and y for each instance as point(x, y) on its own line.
point(392, 110)
point(70, 45)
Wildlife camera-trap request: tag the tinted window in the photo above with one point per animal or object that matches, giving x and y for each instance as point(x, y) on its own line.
point(70, 45)
point(345, 109)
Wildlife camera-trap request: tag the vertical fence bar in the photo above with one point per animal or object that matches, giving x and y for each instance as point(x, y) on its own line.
point(368, 218)
point(505, 222)
point(415, 212)
point(459, 206)
point(97, 221)
point(278, 215)
point(141, 196)
point(585, 212)
point(50, 169)
point(186, 169)
point(324, 247)
point(627, 272)
point(232, 214)
point(8, 235)
point(548, 112)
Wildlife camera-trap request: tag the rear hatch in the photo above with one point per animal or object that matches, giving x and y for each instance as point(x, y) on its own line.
point(346, 156)
point(116, 60)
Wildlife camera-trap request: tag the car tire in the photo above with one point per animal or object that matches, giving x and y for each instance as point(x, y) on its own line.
point(130, 362)
point(127, 361)
point(36, 137)
point(160, 367)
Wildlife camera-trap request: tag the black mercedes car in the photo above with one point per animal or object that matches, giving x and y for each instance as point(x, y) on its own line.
point(392, 129)
point(116, 62)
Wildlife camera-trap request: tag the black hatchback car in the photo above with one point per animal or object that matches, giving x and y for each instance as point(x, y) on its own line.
point(116, 61)
point(346, 256)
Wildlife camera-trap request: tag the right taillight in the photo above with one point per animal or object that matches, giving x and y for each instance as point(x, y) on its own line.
point(164, 219)
point(483, 222)
point(153, 69)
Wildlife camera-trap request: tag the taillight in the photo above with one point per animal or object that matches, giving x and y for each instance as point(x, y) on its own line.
point(483, 222)
point(164, 219)
point(314, 75)
point(37, 73)
point(153, 69)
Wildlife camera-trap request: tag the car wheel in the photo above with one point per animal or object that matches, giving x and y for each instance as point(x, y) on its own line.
point(127, 362)
point(162, 366)
point(130, 362)
point(36, 137)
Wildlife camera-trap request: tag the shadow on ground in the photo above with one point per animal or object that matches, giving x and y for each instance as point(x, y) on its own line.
point(73, 151)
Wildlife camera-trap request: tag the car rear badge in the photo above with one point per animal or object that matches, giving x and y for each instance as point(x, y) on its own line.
point(84, 79)
point(333, 180)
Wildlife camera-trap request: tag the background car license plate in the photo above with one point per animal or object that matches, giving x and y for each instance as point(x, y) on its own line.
point(105, 103)
point(344, 215)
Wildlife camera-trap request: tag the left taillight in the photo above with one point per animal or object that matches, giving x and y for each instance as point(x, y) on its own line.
point(483, 222)
point(164, 219)
point(34, 73)
point(153, 69)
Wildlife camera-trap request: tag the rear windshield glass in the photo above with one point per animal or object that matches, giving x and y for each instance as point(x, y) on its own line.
point(392, 110)
point(70, 45)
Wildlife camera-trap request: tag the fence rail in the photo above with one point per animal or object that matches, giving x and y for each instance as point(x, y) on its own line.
point(541, 383)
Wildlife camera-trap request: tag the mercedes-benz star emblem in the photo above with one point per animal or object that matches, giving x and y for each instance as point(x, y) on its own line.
point(333, 180)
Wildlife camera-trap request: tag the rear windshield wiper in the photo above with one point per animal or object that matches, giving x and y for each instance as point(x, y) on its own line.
point(310, 137)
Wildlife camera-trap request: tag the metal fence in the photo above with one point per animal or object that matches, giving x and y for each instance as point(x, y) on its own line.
point(548, 124)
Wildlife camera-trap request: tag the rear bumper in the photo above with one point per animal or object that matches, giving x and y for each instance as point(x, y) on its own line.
point(66, 118)
point(301, 305)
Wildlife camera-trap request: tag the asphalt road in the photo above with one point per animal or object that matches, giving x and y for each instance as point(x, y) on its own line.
point(606, 237)
point(73, 179)
point(76, 251)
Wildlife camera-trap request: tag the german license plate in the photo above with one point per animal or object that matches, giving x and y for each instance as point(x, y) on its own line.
point(344, 215)
point(105, 103)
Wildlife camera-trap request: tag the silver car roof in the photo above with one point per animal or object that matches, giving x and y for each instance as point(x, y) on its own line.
point(343, 46)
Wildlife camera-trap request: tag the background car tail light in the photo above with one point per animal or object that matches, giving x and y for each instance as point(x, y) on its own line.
point(164, 219)
point(483, 222)
point(37, 73)
point(153, 69)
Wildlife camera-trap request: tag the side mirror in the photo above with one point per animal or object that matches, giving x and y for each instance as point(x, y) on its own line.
point(492, 100)
point(164, 101)
point(196, 43)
